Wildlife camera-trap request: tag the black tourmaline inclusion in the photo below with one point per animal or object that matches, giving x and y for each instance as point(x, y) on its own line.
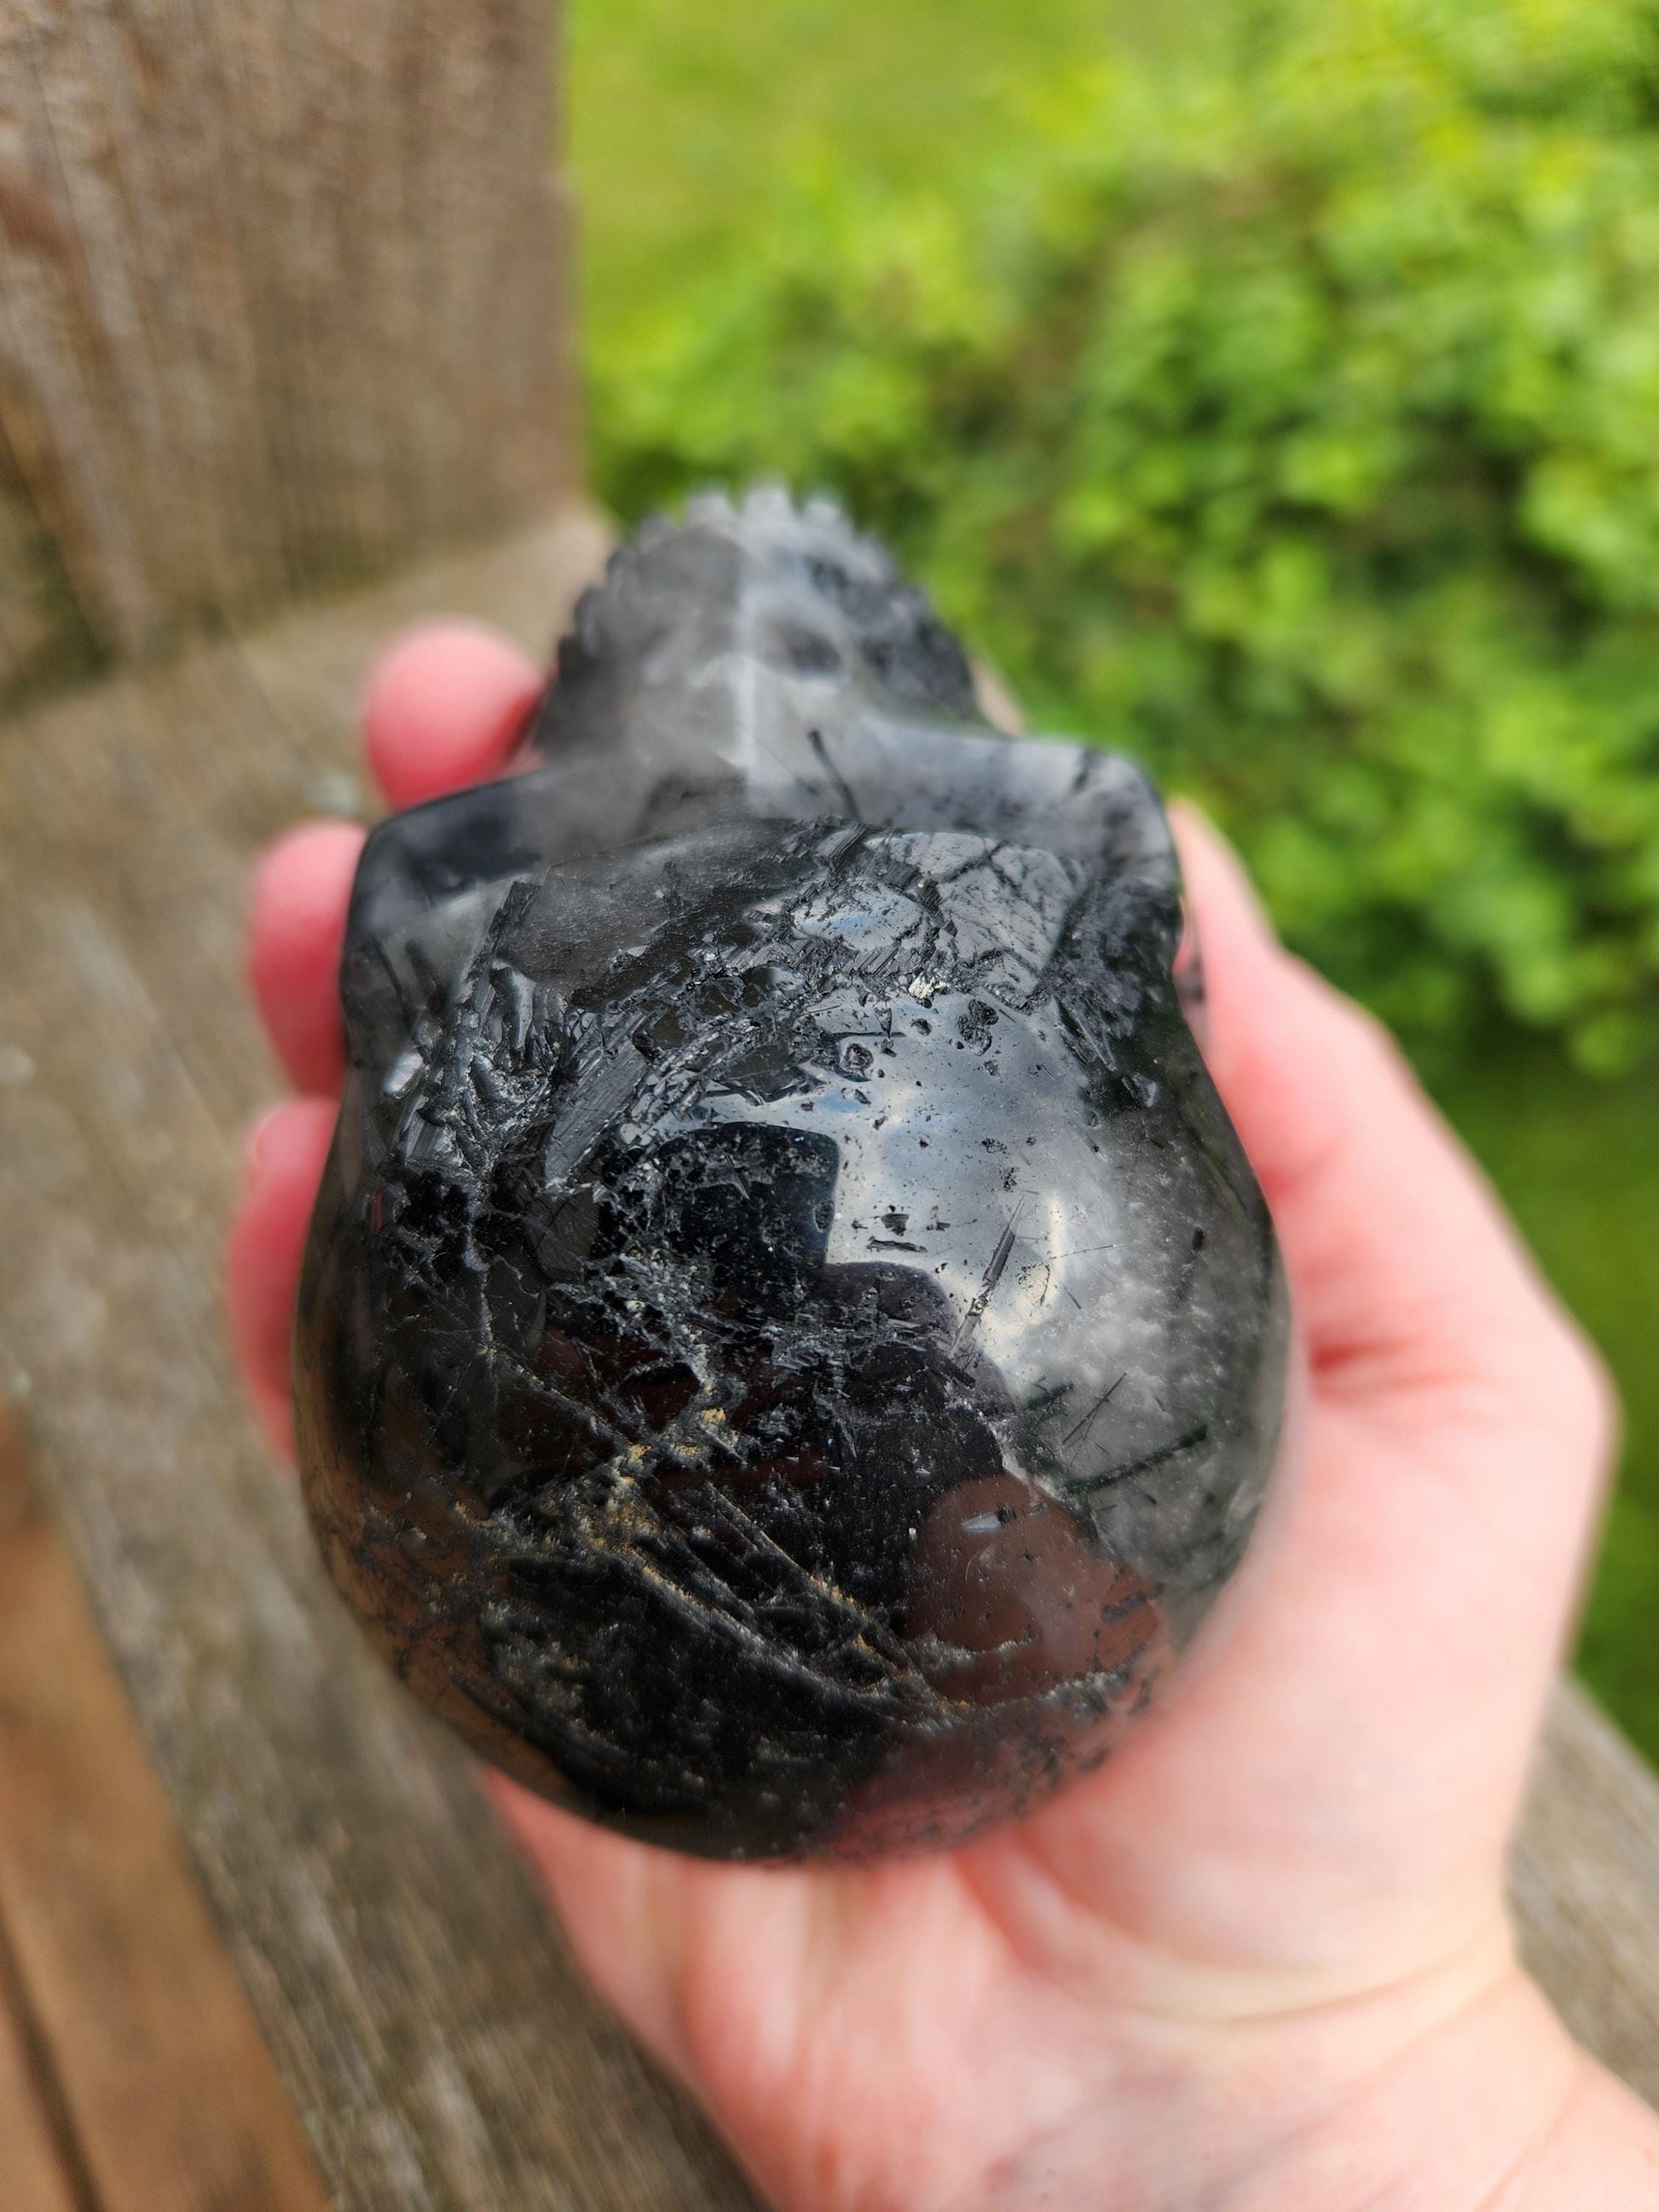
point(790, 1345)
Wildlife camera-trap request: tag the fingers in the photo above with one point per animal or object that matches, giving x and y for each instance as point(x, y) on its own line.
point(301, 889)
point(283, 1166)
point(1404, 1266)
point(444, 708)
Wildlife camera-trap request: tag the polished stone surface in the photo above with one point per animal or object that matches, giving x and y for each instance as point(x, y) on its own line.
point(790, 1346)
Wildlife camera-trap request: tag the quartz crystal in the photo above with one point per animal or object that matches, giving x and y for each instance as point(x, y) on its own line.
point(790, 1347)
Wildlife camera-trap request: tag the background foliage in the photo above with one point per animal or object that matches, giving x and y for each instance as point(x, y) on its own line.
point(1272, 394)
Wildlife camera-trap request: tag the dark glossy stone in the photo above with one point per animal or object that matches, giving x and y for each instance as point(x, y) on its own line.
point(790, 1345)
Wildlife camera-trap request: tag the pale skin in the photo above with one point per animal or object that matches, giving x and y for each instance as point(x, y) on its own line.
point(1260, 1961)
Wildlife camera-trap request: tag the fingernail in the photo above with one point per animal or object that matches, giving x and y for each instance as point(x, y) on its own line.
point(257, 1137)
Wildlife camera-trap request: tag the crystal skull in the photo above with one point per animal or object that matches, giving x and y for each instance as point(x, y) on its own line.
point(790, 1345)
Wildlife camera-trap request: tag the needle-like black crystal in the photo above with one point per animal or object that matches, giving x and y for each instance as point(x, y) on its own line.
point(790, 1345)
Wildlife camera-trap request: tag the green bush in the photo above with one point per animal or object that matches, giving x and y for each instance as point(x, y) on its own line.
point(1286, 409)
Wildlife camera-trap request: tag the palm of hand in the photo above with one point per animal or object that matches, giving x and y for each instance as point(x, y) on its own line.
point(1292, 1876)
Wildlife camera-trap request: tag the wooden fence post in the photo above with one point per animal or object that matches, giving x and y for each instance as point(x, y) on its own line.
point(281, 304)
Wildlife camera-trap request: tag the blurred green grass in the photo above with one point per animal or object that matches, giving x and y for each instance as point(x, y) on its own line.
point(682, 119)
point(1577, 1161)
point(683, 122)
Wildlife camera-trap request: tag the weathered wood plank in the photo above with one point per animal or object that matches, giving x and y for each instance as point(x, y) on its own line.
point(35, 2177)
point(38, 2156)
point(1586, 1888)
point(435, 2039)
point(167, 2090)
point(282, 301)
point(401, 1966)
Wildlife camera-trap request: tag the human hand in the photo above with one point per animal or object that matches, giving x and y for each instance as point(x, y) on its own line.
point(1261, 1960)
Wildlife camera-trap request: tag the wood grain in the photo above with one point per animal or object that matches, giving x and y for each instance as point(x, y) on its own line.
point(38, 2156)
point(35, 2177)
point(167, 2093)
point(434, 2037)
point(423, 2013)
point(1586, 1888)
point(282, 302)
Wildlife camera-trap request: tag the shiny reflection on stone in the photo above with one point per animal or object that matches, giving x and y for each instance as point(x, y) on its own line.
point(790, 1346)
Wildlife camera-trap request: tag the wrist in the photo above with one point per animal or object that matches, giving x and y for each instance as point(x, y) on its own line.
point(1466, 2097)
point(1604, 2153)
point(1495, 2110)
point(1466, 2117)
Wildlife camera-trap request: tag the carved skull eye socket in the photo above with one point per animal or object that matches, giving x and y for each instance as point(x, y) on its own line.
point(801, 650)
point(1189, 974)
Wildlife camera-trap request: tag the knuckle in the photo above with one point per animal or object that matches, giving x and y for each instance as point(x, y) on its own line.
point(1366, 1037)
point(1376, 1044)
point(1582, 1394)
